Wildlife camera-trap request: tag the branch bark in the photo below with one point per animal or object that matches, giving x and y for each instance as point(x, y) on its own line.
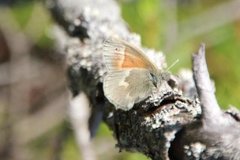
point(172, 128)
point(205, 88)
point(216, 134)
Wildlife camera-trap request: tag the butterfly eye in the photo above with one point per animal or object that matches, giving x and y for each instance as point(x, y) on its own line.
point(153, 79)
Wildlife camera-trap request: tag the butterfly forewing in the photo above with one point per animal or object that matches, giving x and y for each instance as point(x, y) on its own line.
point(120, 55)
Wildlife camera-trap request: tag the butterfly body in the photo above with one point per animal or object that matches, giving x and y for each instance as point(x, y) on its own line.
point(131, 76)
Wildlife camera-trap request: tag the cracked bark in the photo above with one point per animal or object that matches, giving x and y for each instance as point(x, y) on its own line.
point(172, 129)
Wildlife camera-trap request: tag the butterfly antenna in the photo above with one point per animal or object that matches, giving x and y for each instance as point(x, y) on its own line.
point(173, 64)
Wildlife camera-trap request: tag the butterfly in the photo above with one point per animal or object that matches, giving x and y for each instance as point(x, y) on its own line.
point(131, 76)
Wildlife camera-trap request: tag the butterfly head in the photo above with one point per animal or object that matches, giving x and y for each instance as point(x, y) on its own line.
point(157, 77)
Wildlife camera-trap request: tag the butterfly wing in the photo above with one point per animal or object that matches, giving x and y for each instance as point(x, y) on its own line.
point(124, 88)
point(127, 81)
point(120, 55)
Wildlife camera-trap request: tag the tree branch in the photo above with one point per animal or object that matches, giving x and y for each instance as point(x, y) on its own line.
point(162, 125)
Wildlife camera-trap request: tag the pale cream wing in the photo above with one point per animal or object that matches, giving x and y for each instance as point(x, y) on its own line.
point(125, 88)
point(120, 55)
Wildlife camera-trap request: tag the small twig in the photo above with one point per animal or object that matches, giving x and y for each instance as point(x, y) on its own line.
point(210, 108)
point(79, 113)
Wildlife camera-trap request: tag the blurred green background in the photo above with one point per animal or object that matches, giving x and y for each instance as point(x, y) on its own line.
point(175, 27)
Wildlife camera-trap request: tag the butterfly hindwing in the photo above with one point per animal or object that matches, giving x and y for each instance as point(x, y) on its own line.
point(124, 88)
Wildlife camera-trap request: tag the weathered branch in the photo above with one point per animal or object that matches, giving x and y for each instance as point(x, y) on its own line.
point(79, 114)
point(205, 88)
point(216, 134)
point(162, 125)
